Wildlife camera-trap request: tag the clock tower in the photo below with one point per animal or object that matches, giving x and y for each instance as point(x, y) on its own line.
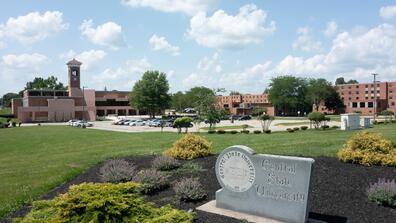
point(74, 78)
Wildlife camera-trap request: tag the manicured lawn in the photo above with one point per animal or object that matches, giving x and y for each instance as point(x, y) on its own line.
point(35, 159)
point(292, 123)
point(227, 127)
point(5, 111)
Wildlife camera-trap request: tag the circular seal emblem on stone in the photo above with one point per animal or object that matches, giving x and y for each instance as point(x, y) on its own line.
point(235, 170)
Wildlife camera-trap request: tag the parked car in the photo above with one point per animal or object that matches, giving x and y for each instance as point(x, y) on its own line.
point(70, 122)
point(245, 117)
point(139, 123)
point(131, 122)
point(82, 123)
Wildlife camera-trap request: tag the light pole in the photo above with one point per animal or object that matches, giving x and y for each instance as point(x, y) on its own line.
point(83, 102)
point(375, 94)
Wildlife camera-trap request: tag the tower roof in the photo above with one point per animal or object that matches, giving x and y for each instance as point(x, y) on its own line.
point(74, 62)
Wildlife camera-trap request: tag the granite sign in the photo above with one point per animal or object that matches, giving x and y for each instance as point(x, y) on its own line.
point(271, 186)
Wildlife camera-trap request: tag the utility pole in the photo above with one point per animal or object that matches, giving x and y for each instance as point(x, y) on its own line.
point(375, 95)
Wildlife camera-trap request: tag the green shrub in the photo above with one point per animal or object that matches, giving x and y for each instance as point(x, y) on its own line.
point(256, 131)
point(334, 127)
point(296, 128)
point(383, 193)
point(165, 163)
point(290, 130)
point(368, 149)
point(387, 113)
point(221, 131)
point(211, 131)
point(13, 124)
point(304, 127)
point(233, 131)
point(267, 131)
point(324, 127)
point(117, 170)
point(317, 118)
point(189, 147)
point(105, 202)
point(183, 122)
point(245, 131)
point(151, 180)
point(189, 189)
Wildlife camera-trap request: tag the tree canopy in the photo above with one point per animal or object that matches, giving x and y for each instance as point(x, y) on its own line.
point(151, 93)
point(45, 83)
point(341, 80)
point(6, 100)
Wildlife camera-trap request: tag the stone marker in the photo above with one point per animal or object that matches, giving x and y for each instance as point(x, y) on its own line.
point(271, 186)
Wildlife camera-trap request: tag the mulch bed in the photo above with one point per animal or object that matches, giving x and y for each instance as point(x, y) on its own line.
point(337, 194)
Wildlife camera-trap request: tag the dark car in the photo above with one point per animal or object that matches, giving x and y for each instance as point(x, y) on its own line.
point(245, 117)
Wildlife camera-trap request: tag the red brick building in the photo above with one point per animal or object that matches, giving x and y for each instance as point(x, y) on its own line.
point(244, 104)
point(73, 103)
point(360, 97)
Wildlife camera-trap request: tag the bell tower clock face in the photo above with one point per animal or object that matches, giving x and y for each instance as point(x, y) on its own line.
point(74, 77)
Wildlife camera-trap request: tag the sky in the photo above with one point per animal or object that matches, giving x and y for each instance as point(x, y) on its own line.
point(232, 44)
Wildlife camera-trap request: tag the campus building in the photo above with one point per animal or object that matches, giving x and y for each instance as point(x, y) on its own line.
point(244, 104)
point(361, 97)
point(74, 103)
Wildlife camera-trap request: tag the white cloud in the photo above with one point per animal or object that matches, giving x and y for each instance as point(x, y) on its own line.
point(90, 59)
point(33, 27)
point(108, 34)
point(159, 43)
point(354, 54)
point(189, 7)
point(23, 61)
point(388, 12)
point(123, 77)
point(305, 41)
point(15, 70)
point(226, 31)
point(331, 29)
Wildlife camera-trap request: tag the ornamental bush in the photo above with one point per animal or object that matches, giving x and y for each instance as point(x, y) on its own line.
point(296, 128)
point(211, 131)
point(290, 130)
point(256, 131)
point(151, 181)
point(221, 131)
point(267, 131)
point(368, 149)
point(189, 189)
point(117, 170)
point(102, 202)
point(383, 193)
point(189, 147)
point(233, 131)
point(165, 163)
point(304, 127)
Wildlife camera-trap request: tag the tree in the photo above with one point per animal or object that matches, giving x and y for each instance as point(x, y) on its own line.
point(49, 83)
point(265, 121)
point(212, 115)
point(257, 111)
point(287, 94)
point(318, 90)
point(352, 82)
point(317, 118)
point(234, 93)
point(179, 101)
point(201, 98)
point(183, 122)
point(334, 101)
point(340, 80)
point(6, 100)
point(151, 93)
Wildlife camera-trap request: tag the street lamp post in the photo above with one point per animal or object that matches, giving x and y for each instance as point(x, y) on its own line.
point(375, 94)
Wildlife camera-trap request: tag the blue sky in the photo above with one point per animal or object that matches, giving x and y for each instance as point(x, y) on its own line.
point(236, 45)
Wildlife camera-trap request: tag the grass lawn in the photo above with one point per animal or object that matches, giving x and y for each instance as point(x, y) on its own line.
point(5, 111)
point(292, 123)
point(35, 159)
point(227, 127)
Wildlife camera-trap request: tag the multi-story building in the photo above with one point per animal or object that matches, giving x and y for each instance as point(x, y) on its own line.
point(244, 104)
point(361, 97)
point(73, 103)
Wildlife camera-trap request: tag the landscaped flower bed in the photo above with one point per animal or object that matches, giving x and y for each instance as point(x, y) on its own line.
point(338, 191)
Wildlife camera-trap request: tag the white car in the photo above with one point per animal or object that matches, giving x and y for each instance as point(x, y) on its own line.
point(139, 123)
point(82, 124)
point(71, 122)
point(132, 122)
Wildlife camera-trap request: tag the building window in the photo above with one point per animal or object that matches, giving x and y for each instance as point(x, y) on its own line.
point(367, 98)
point(349, 92)
point(366, 92)
point(390, 97)
point(393, 103)
point(357, 98)
point(370, 105)
point(362, 104)
point(354, 104)
point(366, 85)
point(357, 92)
